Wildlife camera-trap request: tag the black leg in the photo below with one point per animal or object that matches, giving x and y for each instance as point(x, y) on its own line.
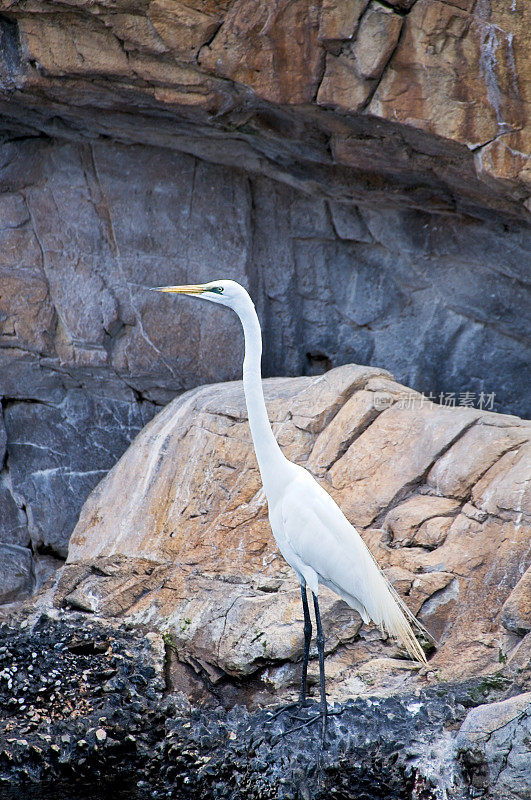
point(320, 639)
point(307, 640)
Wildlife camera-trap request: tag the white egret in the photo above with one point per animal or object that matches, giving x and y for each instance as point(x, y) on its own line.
point(311, 531)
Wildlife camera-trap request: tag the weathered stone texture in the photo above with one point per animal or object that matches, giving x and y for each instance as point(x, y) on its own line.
point(350, 78)
point(363, 169)
point(57, 454)
point(455, 74)
point(86, 226)
point(87, 229)
point(516, 612)
point(191, 551)
point(339, 22)
point(272, 49)
point(16, 572)
point(423, 78)
point(493, 747)
point(96, 226)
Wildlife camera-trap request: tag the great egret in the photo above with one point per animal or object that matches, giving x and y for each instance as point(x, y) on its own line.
point(311, 531)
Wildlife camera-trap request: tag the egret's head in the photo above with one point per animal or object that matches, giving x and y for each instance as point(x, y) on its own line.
point(226, 293)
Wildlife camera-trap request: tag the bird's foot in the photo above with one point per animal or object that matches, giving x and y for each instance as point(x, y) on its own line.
point(306, 721)
point(304, 724)
point(298, 705)
point(319, 716)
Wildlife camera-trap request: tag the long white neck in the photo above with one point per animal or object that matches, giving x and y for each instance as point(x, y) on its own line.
point(271, 461)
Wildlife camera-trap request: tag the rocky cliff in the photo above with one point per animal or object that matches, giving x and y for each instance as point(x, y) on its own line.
point(360, 166)
point(150, 657)
point(430, 95)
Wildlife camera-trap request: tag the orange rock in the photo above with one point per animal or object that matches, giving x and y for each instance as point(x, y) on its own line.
point(339, 21)
point(284, 82)
point(452, 74)
point(516, 611)
point(271, 49)
point(183, 28)
point(176, 538)
point(350, 77)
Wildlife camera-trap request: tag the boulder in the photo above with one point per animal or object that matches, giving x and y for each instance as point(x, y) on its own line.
point(362, 168)
point(176, 538)
point(493, 747)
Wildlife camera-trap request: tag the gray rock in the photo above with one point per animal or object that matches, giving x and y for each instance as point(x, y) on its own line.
point(87, 229)
point(438, 301)
point(57, 454)
point(16, 572)
point(3, 440)
point(13, 519)
point(493, 747)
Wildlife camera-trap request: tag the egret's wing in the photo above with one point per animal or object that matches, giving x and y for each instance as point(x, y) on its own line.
point(324, 539)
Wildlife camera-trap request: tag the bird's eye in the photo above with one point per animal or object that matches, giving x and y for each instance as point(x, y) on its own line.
point(217, 289)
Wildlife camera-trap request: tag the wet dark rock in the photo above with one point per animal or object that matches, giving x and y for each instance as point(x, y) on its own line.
point(62, 736)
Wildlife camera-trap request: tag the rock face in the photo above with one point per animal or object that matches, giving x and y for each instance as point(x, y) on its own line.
point(405, 76)
point(88, 354)
point(492, 744)
point(176, 537)
point(87, 229)
point(56, 452)
point(359, 166)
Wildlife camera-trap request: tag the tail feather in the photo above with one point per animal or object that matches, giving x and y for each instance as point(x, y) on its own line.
point(397, 619)
point(389, 612)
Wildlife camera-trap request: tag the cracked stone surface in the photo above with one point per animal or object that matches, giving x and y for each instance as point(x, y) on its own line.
point(351, 77)
point(55, 453)
point(49, 448)
point(191, 554)
point(493, 748)
point(87, 229)
point(246, 82)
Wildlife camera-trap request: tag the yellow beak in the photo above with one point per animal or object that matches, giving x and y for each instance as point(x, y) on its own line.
point(194, 288)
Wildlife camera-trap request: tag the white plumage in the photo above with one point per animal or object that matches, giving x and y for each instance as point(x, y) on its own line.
point(311, 531)
point(323, 547)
